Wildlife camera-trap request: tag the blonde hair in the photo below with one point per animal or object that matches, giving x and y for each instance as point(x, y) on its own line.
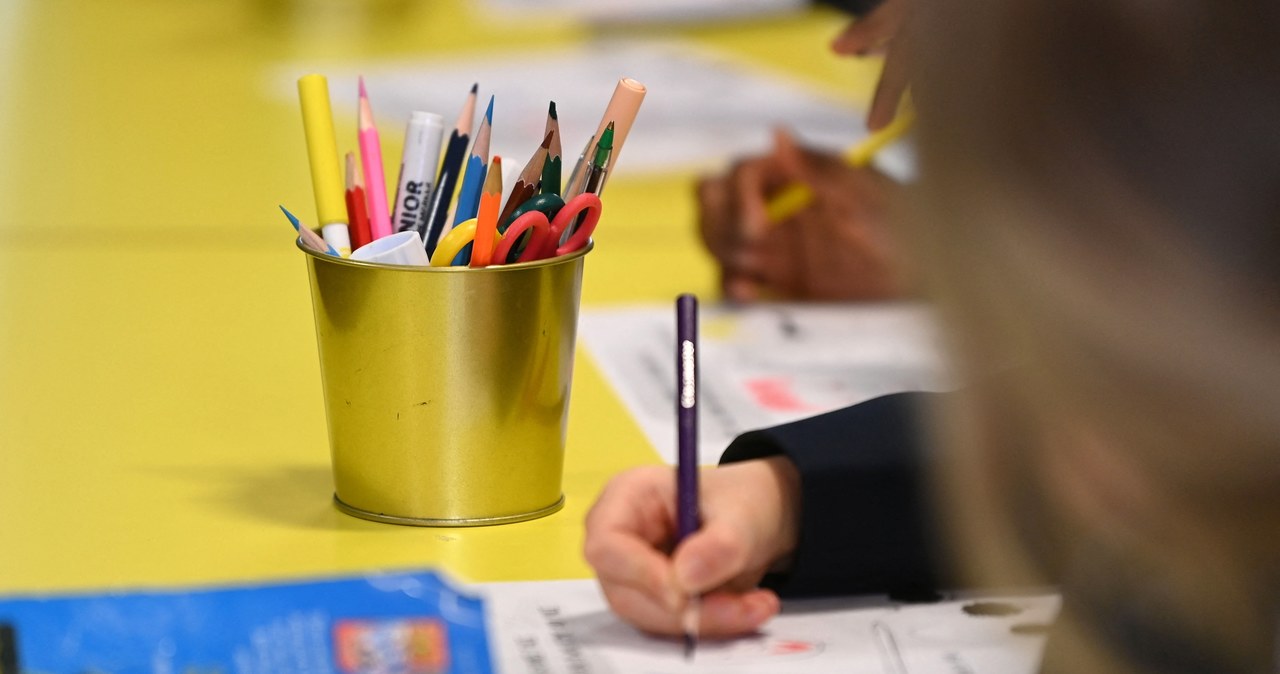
point(1098, 218)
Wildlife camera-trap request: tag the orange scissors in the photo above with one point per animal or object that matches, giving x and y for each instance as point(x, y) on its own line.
point(547, 229)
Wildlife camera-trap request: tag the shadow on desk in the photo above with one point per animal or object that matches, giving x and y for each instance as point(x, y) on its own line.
point(297, 496)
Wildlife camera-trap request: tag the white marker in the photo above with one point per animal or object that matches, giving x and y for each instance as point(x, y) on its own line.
point(336, 234)
point(422, 140)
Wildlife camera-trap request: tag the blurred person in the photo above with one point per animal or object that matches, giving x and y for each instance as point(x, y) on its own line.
point(1097, 223)
point(839, 247)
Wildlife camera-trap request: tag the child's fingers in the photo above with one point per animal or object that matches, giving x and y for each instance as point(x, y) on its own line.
point(872, 31)
point(725, 614)
point(624, 560)
point(889, 90)
point(715, 221)
point(641, 609)
point(640, 501)
point(752, 181)
point(711, 557)
point(628, 529)
point(720, 614)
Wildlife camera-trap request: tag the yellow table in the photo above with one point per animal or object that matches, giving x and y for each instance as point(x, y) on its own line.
point(160, 409)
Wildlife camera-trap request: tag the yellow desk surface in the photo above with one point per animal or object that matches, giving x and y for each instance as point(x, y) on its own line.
point(160, 410)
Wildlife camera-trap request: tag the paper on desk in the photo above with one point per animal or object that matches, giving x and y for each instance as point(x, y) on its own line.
point(565, 626)
point(762, 365)
point(632, 11)
point(703, 107)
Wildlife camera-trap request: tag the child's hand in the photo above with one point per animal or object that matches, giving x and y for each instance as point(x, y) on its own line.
point(836, 248)
point(749, 520)
point(877, 33)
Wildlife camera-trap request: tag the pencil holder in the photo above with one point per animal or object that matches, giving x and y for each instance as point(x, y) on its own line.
point(446, 389)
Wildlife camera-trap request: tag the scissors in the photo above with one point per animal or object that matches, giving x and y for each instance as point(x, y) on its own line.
point(547, 230)
point(544, 217)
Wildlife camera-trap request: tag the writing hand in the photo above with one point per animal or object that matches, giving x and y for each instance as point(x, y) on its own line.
point(837, 248)
point(749, 515)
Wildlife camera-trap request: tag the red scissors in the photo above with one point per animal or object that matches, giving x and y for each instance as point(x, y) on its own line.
point(545, 233)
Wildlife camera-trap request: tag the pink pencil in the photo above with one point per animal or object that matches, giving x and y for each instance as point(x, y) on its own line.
point(375, 182)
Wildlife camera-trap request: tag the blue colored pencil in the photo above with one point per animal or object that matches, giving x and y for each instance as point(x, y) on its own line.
point(477, 169)
point(313, 241)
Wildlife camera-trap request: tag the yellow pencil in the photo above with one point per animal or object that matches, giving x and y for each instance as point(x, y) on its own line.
point(795, 197)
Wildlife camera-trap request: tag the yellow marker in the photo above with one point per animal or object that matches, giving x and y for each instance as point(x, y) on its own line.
point(795, 197)
point(322, 150)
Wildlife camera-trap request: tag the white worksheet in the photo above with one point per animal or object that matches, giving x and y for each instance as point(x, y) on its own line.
point(629, 12)
point(565, 627)
point(762, 365)
point(702, 108)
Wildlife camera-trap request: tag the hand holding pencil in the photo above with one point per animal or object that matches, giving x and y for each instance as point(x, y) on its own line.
point(749, 526)
point(836, 245)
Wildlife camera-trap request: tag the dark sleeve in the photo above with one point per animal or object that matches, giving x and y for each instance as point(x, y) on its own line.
point(866, 523)
point(854, 7)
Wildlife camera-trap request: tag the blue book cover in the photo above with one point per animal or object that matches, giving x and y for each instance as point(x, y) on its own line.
point(405, 623)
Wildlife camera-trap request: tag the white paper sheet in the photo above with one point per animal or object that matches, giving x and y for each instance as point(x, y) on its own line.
point(565, 627)
point(626, 12)
point(762, 365)
point(703, 107)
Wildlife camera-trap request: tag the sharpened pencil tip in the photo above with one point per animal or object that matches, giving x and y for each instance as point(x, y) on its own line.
point(292, 218)
point(551, 111)
point(689, 643)
point(363, 93)
point(475, 87)
point(488, 114)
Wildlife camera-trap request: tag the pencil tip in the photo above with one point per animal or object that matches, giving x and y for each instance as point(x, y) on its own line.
point(363, 93)
point(475, 87)
point(551, 111)
point(488, 114)
point(292, 218)
point(689, 643)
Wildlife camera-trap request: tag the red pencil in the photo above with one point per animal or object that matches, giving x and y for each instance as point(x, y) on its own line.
point(357, 207)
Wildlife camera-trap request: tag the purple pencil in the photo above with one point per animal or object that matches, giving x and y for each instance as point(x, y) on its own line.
point(687, 518)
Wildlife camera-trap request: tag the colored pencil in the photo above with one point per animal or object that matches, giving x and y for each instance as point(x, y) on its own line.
point(450, 167)
point(374, 179)
point(687, 516)
point(357, 207)
point(309, 238)
point(477, 167)
point(487, 216)
point(551, 169)
point(527, 184)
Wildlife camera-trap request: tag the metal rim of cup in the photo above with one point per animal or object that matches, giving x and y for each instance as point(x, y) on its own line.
point(560, 259)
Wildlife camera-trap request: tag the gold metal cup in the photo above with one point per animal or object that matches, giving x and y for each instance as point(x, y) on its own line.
point(446, 389)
